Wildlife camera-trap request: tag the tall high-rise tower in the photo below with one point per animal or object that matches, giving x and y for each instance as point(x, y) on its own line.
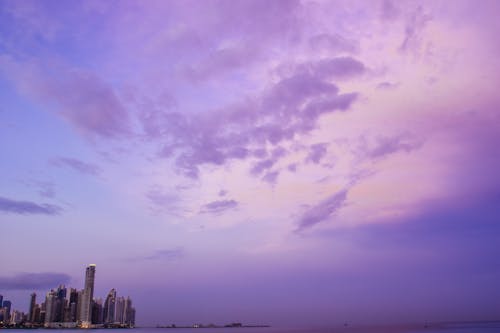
point(50, 307)
point(31, 317)
point(87, 297)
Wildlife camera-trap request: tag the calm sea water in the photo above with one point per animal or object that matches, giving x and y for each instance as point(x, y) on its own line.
point(490, 327)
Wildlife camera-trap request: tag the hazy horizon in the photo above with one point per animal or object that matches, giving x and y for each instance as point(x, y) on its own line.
point(282, 162)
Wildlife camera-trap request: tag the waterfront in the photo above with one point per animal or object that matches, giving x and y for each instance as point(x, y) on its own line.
point(476, 327)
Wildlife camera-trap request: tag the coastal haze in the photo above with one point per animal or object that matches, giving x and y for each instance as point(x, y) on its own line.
point(329, 164)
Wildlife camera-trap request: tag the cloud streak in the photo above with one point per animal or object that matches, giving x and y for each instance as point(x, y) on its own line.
point(386, 145)
point(167, 254)
point(33, 281)
point(80, 97)
point(218, 206)
point(27, 207)
point(322, 211)
point(76, 164)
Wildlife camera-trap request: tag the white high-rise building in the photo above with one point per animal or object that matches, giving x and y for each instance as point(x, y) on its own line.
point(50, 306)
point(109, 307)
point(119, 312)
point(87, 297)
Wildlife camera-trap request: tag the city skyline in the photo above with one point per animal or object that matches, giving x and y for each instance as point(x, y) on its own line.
point(63, 308)
point(287, 162)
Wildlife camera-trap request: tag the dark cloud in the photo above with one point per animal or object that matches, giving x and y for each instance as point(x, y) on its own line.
point(265, 164)
point(317, 152)
point(75, 164)
point(322, 211)
point(271, 177)
point(166, 254)
point(27, 207)
point(278, 152)
point(260, 166)
point(33, 281)
point(219, 206)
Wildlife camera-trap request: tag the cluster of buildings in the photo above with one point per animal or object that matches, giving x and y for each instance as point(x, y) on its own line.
point(4, 309)
point(71, 308)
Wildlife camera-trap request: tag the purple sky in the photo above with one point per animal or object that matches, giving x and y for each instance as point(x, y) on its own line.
point(278, 161)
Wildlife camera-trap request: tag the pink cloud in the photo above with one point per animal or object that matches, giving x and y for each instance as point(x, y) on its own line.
point(290, 107)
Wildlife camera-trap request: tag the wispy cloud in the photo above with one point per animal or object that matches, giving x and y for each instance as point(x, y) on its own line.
point(164, 201)
point(46, 189)
point(33, 281)
point(80, 97)
point(333, 43)
point(386, 145)
point(76, 164)
point(322, 211)
point(415, 24)
point(386, 85)
point(27, 207)
point(218, 206)
point(166, 254)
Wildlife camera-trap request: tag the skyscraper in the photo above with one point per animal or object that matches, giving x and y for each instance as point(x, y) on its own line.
point(87, 297)
point(6, 305)
point(60, 303)
point(31, 314)
point(129, 312)
point(97, 311)
point(120, 307)
point(109, 307)
point(73, 304)
point(50, 306)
